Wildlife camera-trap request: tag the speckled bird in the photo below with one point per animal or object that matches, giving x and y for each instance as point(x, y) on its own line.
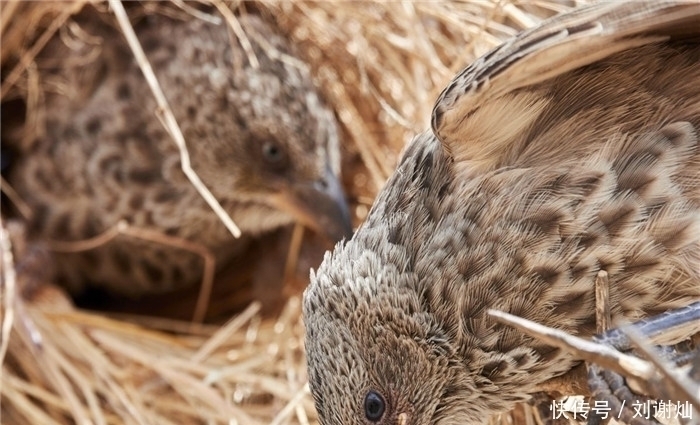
point(259, 136)
point(570, 149)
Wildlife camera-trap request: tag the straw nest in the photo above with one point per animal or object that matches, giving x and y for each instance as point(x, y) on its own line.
point(380, 66)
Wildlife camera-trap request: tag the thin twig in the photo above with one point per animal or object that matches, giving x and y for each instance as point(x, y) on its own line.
point(291, 405)
point(225, 332)
point(8, 288)
point(518, 16)
point(682, 389)
point(601, 354)
point(238, 30)
point(290, 265)
point(8, 10)
point(602, 302)
point(90, 243)
point(212, 19)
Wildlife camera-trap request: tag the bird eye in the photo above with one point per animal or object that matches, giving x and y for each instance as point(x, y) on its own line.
point(374, 406)
point(272, 152)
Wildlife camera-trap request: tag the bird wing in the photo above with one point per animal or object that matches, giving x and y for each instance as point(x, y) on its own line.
point(478, 113)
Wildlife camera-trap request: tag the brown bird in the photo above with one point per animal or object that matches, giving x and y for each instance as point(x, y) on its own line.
point(259, 137)
point(570, 149)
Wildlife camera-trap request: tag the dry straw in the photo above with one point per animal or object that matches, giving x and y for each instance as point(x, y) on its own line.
point(380, 65)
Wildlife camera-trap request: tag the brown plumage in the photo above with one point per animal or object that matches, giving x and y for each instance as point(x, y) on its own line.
point(260, 138)
point(571, 149)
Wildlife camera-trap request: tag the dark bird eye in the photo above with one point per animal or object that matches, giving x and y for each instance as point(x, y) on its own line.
point(374, 406)
point(272, 152)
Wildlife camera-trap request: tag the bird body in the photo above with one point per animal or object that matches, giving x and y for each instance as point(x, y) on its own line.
point(569, 150)
point(258, 136)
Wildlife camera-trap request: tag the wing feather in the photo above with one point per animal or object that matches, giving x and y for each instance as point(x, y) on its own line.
point(486, 109)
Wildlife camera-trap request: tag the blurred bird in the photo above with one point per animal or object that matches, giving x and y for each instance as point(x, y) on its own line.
point(259, 137)
point(570, 149)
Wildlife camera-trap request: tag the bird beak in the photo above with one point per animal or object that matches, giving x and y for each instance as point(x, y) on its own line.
point(319, 205)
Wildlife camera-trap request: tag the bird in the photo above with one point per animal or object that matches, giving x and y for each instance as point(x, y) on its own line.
point(259, 135)
point(570, 149)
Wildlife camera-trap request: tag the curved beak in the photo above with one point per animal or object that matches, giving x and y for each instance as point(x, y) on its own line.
point(319, 205)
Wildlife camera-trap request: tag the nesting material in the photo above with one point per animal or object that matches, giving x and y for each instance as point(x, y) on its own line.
point(380, 66)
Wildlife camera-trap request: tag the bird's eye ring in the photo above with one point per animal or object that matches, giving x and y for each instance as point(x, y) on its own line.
point(374, 406)
point(272, 152)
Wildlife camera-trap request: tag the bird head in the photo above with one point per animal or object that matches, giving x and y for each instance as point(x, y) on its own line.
point(374, 356)
point(272, 152)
